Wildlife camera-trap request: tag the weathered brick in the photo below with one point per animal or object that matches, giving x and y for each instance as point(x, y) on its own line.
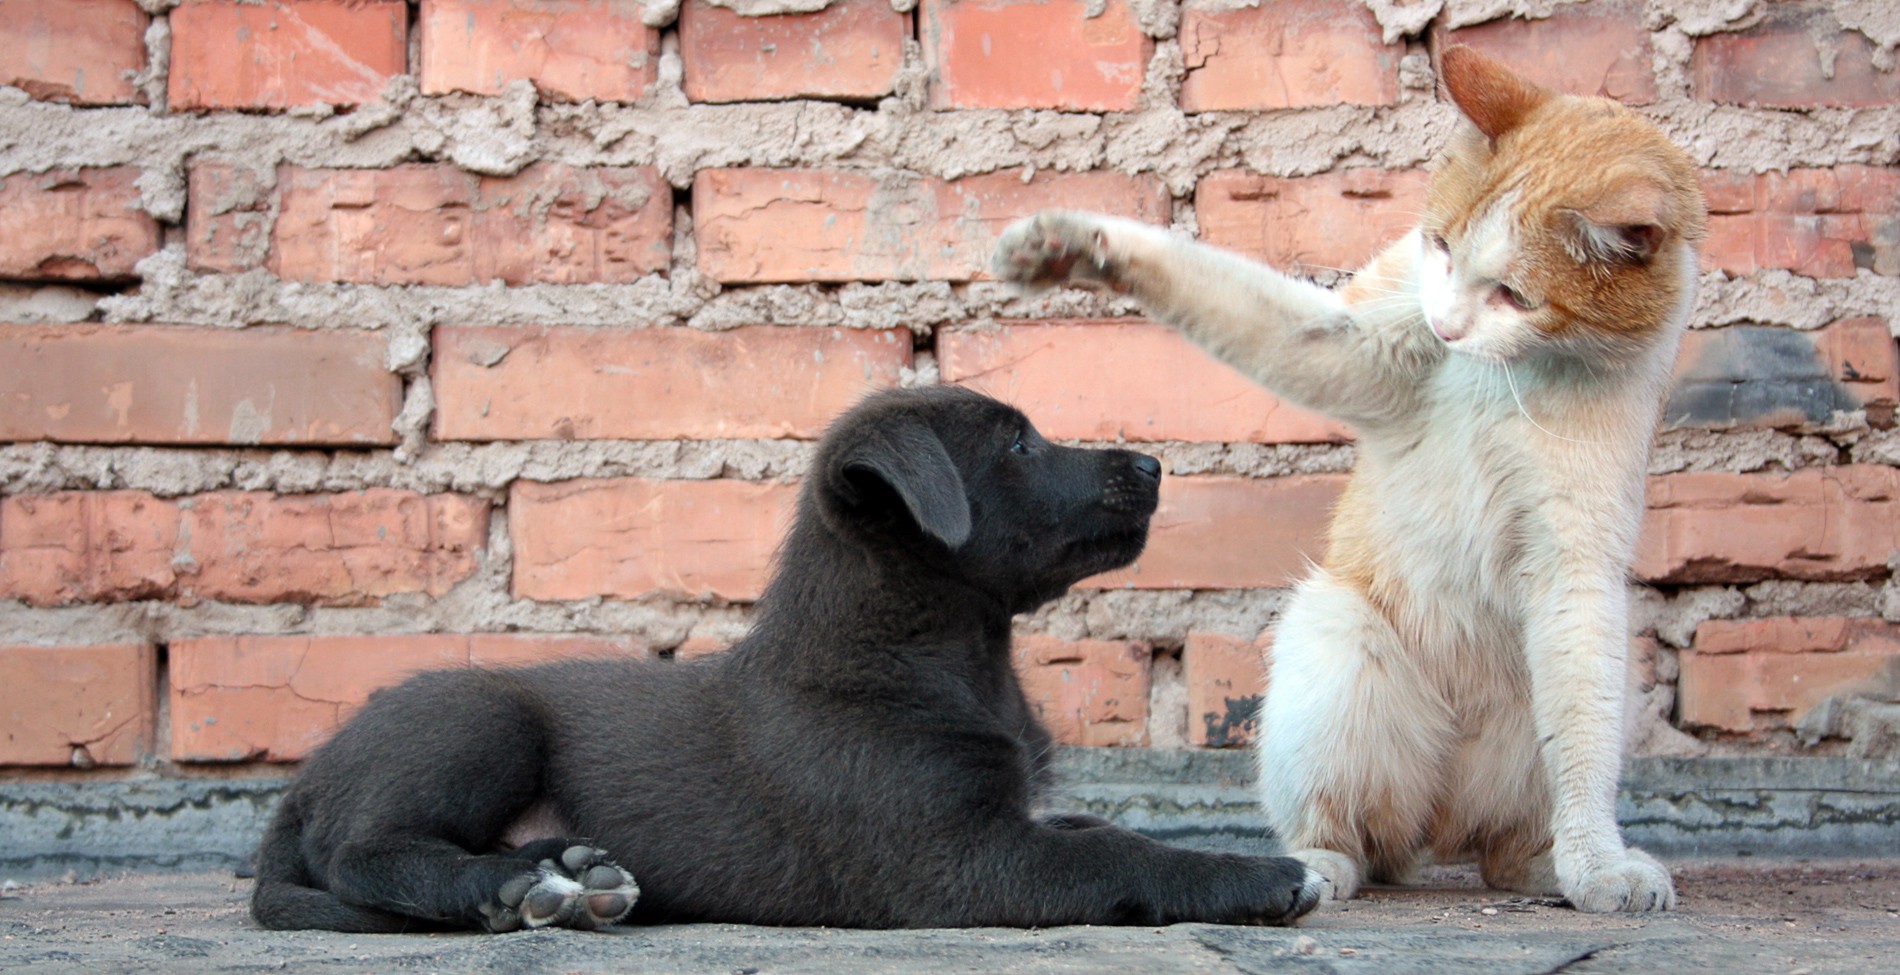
point(850, 49)
point(1087, 692)
point(174, 384)
point(1757, 376)
point(77, 705)
point(278, 54)
point(1599, 48)
point(1287, 54)
point(227, 216)
point(1755, 675)
point(276, 698)
point(793, 225)
point(1795, 56)
point(655, 383)
point(571, 49)
point(1232, 533)
point(1226, 679)
point(1819, 524)
point(1123, 381)
point(1034, 54)
point(249, 547)
point(79, 51)
point(633, 537)
point(74, 225)
point(440, 225)
point(1823, 223)
point(1336, 220)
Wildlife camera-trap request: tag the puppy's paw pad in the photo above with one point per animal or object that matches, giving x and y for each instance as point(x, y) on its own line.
point(542, 898)
point(606, 891)
point(1634, 882)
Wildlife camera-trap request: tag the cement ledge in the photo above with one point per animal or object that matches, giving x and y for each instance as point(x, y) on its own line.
point(1681, 808)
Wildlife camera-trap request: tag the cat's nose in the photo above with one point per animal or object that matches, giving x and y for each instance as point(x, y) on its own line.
point(1446, 330)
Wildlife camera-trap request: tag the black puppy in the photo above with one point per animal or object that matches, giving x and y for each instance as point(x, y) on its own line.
point(865, 758)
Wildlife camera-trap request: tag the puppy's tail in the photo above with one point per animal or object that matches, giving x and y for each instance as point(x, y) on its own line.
point(284, 899)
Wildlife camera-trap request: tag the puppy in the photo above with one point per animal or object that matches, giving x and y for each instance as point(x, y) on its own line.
point(865, 758)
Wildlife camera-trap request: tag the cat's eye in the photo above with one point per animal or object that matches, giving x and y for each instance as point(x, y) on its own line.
point(1438, 241)
point(1515, 298)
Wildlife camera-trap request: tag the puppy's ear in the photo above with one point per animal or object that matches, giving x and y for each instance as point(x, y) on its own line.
point(907, 458)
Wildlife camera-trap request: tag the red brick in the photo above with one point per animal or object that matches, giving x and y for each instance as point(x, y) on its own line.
point(571, 49)
point(276, 698)
point(173, 384)
point(1034, 54)
point(655, 383)
point(1333, 221)
point(247, 547)
point(439, 225)
point(1226, 680)
point(1831, 523)
point(74, 225)
point(77, 705)
point(850, 49)
point(1087, 692)
point(1232, 533)
point(1797, 56)
point(1762, 376)
point(1123, 381)
point(793, 225)
point(1585, 49)
point(632, 537)
point(227, 218)
point(1822, 223)
point(79, 51)
point(1753, 675)
point(285, 53)
point(1288, 54)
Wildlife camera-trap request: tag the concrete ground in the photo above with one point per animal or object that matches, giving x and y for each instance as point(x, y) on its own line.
point(1737, 916)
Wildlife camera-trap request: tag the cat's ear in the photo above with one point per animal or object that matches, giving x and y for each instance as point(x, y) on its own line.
point(1491, 95)
point(1626, 228)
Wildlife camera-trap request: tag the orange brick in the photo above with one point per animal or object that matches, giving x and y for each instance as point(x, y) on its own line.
point(249, 547)
point(1123, 381)
point(1336, 221)
point(77, 705)
point(1232, 533)
point(632, 537)
point(1819, 524)
point(1753, 675)
point(440, 225)
point(1599, 48)
point(1226, 680)
point(173, 384)
point(571, 49)
point(1287, 54)
point(1087, 692)
point(1764, 376)
point(1797, 56)
point(655, 383)
point(74, 225)
point(793, 225)
point(1034, 54)
point(79, 51)
point(276, 698)
point(850, 49)
point(285, 53)
point(227, 218)
point(1822, 223)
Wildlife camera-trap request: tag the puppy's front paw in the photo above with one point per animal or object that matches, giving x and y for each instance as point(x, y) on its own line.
point(583, 889)
point(1299, 890)
point(1055, 247)
point(1634, 882)
point(1338, 873)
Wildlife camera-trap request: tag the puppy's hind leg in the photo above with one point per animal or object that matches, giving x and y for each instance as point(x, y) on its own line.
point(1352, 740)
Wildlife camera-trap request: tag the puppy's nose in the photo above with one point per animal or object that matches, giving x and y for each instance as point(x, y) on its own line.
point(1148, 467)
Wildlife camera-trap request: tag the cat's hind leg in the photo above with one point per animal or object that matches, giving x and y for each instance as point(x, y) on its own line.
point(1353, 739)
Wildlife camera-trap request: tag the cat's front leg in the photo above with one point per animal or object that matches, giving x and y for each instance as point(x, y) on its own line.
point(1058, 247)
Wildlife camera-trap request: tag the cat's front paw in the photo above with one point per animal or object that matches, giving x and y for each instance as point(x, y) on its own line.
point(1056, 247)
point(1633, 882)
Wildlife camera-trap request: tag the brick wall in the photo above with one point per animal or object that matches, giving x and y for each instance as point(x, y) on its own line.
point(344, 338)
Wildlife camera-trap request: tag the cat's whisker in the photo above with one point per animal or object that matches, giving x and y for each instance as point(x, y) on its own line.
point(1510, 379)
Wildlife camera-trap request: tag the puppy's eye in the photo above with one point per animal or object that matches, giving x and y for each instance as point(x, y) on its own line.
point(1020, 445)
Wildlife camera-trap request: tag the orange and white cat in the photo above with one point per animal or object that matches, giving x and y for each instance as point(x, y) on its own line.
point(1451, 680)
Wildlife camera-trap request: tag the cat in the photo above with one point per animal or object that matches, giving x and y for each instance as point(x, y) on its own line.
point(1451, 679)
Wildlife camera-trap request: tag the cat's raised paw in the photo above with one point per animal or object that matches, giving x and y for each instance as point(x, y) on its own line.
point(1635, 882)
point(1055, 247)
